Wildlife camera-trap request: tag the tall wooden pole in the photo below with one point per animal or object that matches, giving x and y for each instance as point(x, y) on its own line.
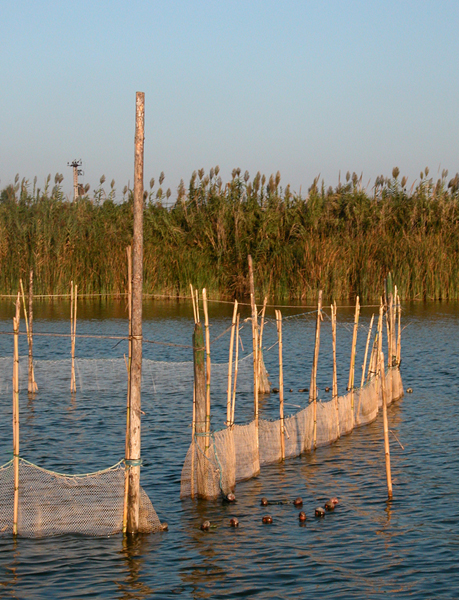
point(230, 366)
point(313, 386)
point(128, 399)
point(350, 385)
point(137, 283)
point(281, 383)
point(199, 398)
point(364, 366)
point(335, 373)
point(236, 366)
point(32, 387)
point(255, 345)
point(208, 366)
point(386, 427)
point(16, 415)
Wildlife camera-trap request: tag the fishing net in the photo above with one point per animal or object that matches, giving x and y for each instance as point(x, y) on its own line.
point(237, 453)
point(54, 504)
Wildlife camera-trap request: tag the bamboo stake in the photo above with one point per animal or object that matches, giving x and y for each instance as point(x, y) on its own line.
point(364, 366)
point(260, 345)
point(255, 346)
point(199, 405)
point(197, 305)
point(208, 367)
point(335, 374)
point(73, 319)
point(137, 284)
point(399, 340)
point(236, 366)
point(313, 387)
point(230, 366)
point(194, 304)
point(281, 383)
point(350, 385)
point(32, 386)
point(128, 398)
point(386, 428)
point(16, 321)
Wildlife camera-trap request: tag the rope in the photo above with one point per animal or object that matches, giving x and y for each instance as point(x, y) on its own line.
point(56, 473)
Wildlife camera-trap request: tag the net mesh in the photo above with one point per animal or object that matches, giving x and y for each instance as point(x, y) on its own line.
point(237, 452)
point(54, 504)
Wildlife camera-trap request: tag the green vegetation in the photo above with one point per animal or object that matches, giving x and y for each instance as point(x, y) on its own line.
point(343, 240)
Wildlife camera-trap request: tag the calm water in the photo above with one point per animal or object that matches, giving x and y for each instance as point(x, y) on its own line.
point(367, 548)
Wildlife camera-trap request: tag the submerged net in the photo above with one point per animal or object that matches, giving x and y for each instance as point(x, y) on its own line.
point(54, 504)
point(234, 454)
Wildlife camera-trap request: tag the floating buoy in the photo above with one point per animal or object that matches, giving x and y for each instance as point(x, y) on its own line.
point(327, 389)
point(335, 501)
point(409, 390)
point(329, 505)
point(320, 512)
point(302, 517)
point(275, 390)
point(267, 519)
point(205, 525)
point(164, 527)
point(298, 502)
point(303, 390)
point(230, 497)
point(234, 522)
point(264, 502)
point(291, 390)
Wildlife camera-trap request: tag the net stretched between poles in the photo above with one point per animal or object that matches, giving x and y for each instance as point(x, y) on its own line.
point(233, 454)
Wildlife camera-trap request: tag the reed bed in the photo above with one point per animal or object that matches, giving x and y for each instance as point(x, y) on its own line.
point(343, 239)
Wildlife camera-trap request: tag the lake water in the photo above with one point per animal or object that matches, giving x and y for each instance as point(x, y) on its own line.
point(366, 548)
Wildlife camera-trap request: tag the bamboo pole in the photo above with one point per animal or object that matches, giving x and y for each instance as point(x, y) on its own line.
point(364, 366)
point(255, 346)
point(350, 385)
point(31, 386)
point(313, 386)
point(230, 366)
point(385, 427)
point(194, 304)
point(137, 284)
point(335, 373)
point(399, 338)
point(16, 321)
point(281, 383)
point(262, 387)
point(199, 401)
point(73, 320)
point(208, 367)
point(236, 366)
point(128, 399)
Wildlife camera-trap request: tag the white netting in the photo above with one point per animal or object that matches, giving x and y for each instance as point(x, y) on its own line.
point(238, 452)
point(55, 504)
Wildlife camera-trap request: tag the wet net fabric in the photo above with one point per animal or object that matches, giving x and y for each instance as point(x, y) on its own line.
point(54, 504)
point(237, 453)
point(100, 374)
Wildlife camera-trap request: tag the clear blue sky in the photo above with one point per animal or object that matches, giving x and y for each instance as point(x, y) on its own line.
point(303, 87)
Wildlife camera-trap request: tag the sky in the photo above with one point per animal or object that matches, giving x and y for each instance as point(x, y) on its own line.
point(308, 88)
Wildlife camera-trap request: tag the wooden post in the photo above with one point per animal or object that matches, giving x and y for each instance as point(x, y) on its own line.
point(386, 427)
point(350, 385)
point(230, 366)
point(208, 367)
point(335, 374)
point(281, 383)
point(255, 346)
point(313, 386)
point(137, 284)
point(236, 366)
point(16, 320)
point(200, 408)
point(194, 304)
point(32, 386)
point(73, 320)
point(399, 332)
point(364, 366)
point(128, 399)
